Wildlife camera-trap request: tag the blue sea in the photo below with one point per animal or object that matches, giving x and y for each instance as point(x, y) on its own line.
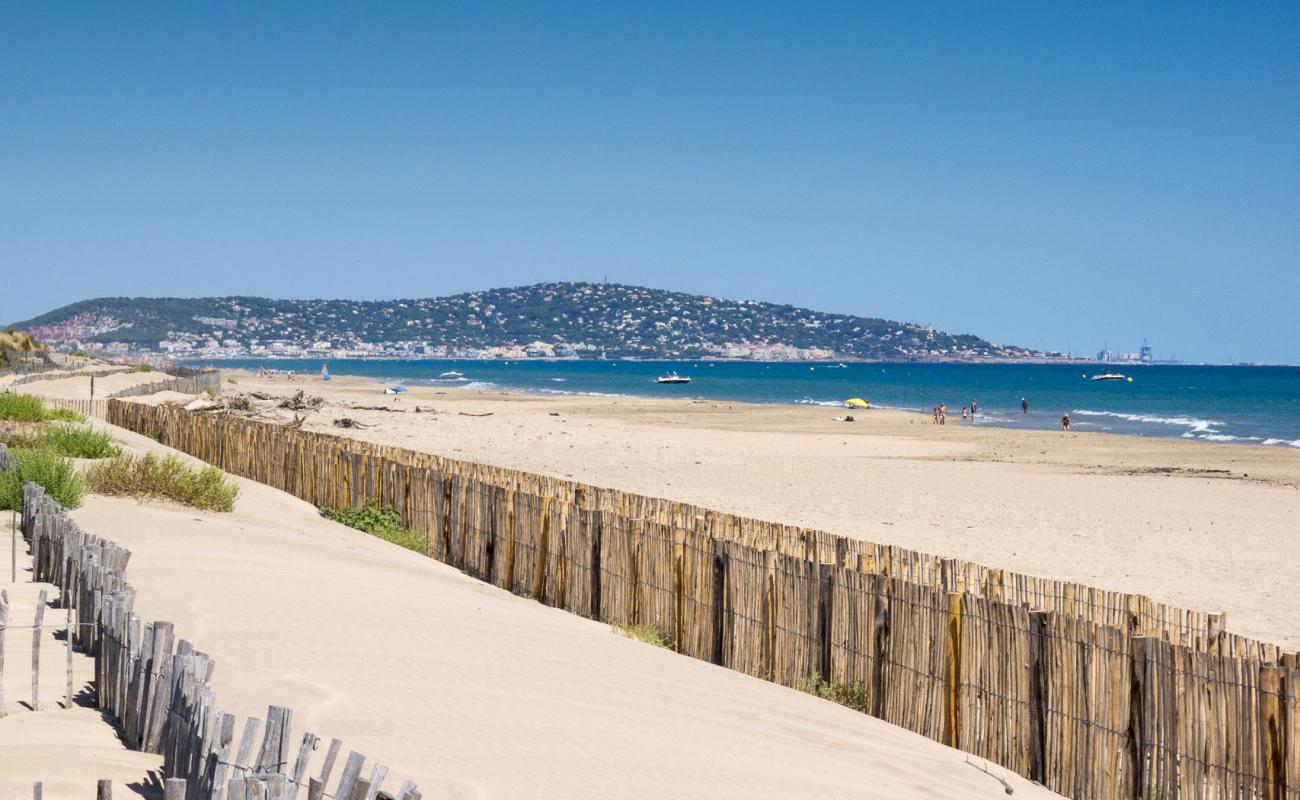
point(1230, 404)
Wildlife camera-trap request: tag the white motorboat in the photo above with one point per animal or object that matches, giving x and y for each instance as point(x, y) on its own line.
point(1111, 376)
point(672, 377)
point(452, 375)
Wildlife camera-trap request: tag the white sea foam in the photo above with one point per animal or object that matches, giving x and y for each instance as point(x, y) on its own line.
point(479, 385)
point(1194, 425)
point(571, 393)
point(1223, 437)
point(808, 401)
point(1295, 443)
point(560, 380)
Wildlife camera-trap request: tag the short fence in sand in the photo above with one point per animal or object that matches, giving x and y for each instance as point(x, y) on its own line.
point(183, 380)
point(157, 687)
point(1095, 694)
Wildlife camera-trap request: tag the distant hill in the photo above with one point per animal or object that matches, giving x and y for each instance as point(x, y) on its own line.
point(545, 319)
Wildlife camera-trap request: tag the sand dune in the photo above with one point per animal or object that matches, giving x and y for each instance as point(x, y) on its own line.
point(476, 693)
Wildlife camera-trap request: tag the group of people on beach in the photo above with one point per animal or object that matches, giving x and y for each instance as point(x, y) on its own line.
point(287, 374)
point(940, 413)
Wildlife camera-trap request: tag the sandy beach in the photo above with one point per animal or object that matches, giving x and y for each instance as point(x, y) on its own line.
point(1199, 525)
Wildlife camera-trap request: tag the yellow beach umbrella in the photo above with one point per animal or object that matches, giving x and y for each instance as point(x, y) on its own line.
point(856, 402)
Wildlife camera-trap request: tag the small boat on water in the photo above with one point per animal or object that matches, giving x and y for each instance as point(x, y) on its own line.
point(672, 377)
point(1111, 376)
point(452, 375)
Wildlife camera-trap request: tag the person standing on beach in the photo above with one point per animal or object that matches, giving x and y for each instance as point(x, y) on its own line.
point(965, 413)
point(1024, 406)
point(1065, 423)
point(973, 406)
point(934, 413)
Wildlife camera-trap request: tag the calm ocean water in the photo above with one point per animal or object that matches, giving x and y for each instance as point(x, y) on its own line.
point(1259, 405)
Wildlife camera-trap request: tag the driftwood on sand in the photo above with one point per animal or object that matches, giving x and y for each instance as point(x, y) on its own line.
point(348, 422)
point(258, 404)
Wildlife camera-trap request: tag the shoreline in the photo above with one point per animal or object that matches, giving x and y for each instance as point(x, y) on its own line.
point(987, 420)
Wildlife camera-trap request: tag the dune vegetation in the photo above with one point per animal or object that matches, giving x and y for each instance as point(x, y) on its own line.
point(169, 477)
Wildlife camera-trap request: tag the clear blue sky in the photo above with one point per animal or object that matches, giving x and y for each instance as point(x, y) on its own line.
point(1031, 173)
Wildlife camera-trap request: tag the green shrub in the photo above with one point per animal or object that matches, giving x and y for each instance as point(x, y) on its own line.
point(29, 408)
point(170, 478)
point(56, 475)
point(78, 442)
point(646, 633)
point(21, 408)
point(382, 522)
point(853, 695)
point(59, 440)
point(64, 415)
point(142, 368)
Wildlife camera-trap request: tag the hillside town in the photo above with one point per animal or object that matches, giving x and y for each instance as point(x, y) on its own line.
point(557, 320)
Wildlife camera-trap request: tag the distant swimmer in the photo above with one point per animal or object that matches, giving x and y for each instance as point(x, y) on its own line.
point(1065, 422)
point(1024, 406)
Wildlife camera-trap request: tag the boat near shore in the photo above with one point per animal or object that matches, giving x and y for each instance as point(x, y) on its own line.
point(672, 377)
point(1111, 376)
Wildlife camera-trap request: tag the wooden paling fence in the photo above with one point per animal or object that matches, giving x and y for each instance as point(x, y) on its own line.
point(185, 381)
point(1095, 694)
point(50, 372)
point(158, 687)
point(86, 407)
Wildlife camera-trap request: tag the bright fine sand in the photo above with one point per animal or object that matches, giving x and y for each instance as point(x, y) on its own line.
point(1204, 526)
point(475, 693)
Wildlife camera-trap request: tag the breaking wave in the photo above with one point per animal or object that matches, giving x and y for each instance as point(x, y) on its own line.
point(1194, 425)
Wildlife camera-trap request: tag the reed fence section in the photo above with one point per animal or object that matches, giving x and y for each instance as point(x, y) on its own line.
point(180, 379)
point(1095, 694)
point(158, 686)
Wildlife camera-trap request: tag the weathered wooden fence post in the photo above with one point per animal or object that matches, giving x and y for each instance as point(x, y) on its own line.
point(952, 672)
point(1273, 730)
point(1142, 713)
point(38, 621)
point(67, 607)
point(1037, 696)
point(879, 587)
point(825, 616)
